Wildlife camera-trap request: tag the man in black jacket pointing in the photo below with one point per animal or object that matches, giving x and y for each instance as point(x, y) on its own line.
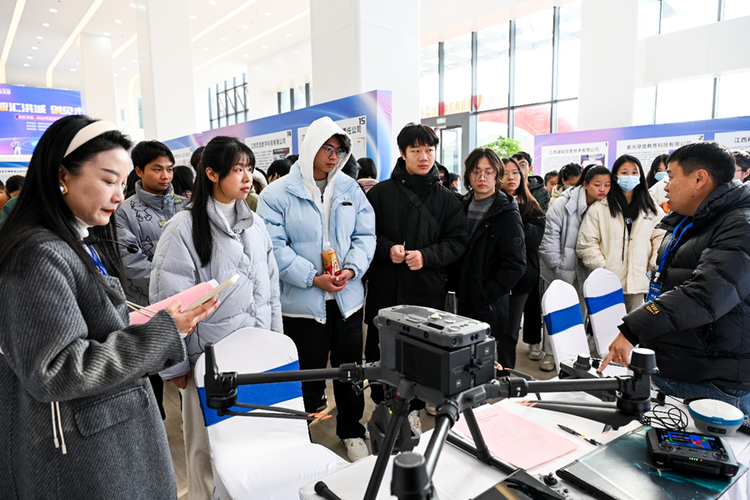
point(697, 315)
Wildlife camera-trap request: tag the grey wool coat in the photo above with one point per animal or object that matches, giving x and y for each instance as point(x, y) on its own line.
point(72, 371)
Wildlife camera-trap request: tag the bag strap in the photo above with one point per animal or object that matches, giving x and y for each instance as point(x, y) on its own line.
point(414, 199)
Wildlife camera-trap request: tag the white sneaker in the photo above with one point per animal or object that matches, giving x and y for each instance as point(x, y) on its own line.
point(430, 409)
point(356, 449)
point(547, 364)
point(415, 422)
point(535, 352)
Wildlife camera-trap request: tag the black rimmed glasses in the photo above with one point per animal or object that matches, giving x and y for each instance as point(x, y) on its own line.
point(328, 150)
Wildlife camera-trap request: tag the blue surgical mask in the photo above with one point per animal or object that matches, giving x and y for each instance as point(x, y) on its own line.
point(628, 182)
point(660, 175)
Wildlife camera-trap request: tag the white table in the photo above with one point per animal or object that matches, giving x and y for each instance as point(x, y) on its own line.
point(459, 476)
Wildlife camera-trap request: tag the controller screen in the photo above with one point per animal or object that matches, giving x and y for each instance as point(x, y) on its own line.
point(689, 440)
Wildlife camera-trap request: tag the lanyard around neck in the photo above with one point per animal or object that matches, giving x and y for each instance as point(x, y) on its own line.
point(96, 260)
point(672, 244)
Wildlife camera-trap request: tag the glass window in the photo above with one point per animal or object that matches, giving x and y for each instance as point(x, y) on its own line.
point(450, 148)
point(733, 99)
point(531, 121)
point(492, 67)
point(567, 116)
point(677, 15)
point(457, 80)
point(284, 104)
point(569, 63)
point(533, 72)
point(736, 8)
point(299, 97)
point(491, 125)
point(684, 101)
point(428, 81)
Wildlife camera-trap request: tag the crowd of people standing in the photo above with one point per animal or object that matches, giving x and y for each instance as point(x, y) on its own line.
point(75, 253)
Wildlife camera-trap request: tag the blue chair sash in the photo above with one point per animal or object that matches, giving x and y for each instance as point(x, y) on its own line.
point(559, 321)
point(261, 394)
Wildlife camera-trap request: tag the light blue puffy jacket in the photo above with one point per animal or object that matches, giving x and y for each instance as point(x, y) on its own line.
point(295, 211)
point(243, 249)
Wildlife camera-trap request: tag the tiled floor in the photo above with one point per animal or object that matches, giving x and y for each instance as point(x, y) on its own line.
point(321, 432)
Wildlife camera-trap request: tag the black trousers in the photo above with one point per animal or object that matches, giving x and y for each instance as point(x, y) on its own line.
point(517, 302)
point(343, 339)
point(532, 317)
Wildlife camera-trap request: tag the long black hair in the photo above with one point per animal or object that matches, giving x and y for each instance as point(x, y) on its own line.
point(219, 155)
point(41, 205)
point(642, 200)
point(183, 180)
point(650, 178)
point(527, 204)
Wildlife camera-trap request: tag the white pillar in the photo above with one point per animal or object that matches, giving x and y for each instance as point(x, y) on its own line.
point(166, 66)
point(361, 45)
point(97, 77)
point(613, 60)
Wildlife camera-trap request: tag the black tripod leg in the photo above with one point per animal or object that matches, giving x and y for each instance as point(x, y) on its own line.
point(400, 409)
point(471, 421)
point(443, 424)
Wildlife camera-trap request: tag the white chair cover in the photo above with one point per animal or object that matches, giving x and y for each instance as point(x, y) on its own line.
point(606, 304)
point(564, 323)
point(266, 458)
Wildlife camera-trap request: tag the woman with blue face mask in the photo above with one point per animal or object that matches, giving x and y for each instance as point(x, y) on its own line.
point(619, 232)
point(657, 178)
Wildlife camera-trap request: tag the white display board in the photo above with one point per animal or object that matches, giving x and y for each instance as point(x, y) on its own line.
point(555, 157)
point(734, 140)
point(270, 147)
point(648, 149)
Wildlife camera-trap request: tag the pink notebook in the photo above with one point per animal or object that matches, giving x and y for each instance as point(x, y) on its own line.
point(187, 297)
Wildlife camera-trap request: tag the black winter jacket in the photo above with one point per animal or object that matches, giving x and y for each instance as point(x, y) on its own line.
point(536, 186)
point(699, 326)
point(494, 261)
point(400, 222)
point(533, 229)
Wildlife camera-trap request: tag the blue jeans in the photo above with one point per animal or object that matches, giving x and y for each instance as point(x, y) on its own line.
point(685, 390)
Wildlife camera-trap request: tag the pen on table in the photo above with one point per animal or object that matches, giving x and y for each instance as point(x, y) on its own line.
point(571, 431)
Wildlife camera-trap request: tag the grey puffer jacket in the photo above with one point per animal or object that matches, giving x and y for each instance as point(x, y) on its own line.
point(67, 348)
point(557, 253)
point(244, 249)
point(140, 220)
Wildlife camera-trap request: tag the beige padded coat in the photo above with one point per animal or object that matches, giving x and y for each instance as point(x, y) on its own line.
point(603, 241)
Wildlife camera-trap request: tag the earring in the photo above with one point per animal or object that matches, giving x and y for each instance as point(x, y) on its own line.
point(63, 188)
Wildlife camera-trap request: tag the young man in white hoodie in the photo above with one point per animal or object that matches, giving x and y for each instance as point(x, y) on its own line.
point(313, 208)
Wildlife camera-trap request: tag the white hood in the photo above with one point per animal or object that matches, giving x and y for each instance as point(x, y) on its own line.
point(317, 134)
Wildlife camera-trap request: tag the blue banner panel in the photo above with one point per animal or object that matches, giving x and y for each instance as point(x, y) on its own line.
point(26, 112)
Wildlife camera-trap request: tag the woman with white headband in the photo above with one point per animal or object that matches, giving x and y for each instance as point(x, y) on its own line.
point(80, 419)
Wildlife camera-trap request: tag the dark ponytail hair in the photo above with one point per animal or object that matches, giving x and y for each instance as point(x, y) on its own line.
point(220, 154)
point(568, 171)
point(642, 200)
point(41, 204)
point(591, 171)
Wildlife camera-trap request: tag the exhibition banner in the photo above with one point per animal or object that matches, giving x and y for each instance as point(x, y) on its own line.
point(646, 142)
point(365, 117)
point(26, 112)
